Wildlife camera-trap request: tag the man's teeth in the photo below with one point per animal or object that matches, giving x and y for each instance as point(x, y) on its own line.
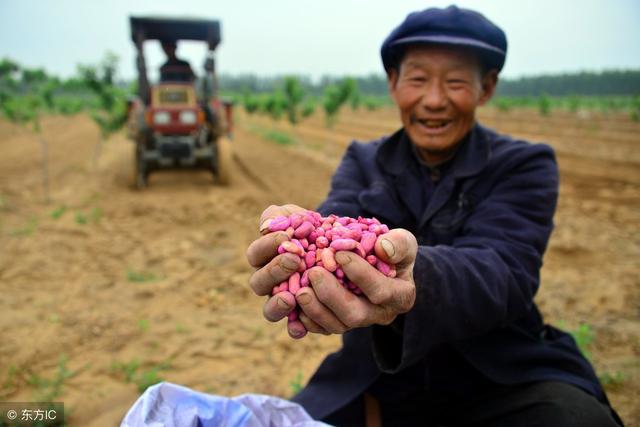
point(434, 123)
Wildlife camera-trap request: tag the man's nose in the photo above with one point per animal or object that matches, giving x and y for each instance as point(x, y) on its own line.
point(434, 97)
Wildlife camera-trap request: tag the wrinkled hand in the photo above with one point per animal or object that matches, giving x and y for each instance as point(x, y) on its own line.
point(327, 307)
point(330, 308)
point(272, 269)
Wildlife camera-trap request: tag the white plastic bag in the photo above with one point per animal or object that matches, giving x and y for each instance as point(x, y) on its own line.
point(170, 405)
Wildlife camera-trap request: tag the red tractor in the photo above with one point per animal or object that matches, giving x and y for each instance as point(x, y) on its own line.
point(179, 122)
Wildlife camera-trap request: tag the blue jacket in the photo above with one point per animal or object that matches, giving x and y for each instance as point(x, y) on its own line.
point(482, 231)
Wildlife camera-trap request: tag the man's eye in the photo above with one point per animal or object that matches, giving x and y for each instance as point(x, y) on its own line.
point(418, 79)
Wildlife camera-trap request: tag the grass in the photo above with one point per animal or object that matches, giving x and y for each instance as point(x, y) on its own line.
point(81, 218)
point(277, 136)
point(50, 389)
point(58, 212)
point(141, 276)
point(296, 383)
point(27, 230)
point(144, 325)
point(131, 372)
point(181, 329)
point(584, 337)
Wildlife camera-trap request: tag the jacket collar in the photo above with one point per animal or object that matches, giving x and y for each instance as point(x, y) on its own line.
point(395, 156)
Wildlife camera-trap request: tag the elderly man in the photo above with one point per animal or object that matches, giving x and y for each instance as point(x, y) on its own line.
point(455, 338)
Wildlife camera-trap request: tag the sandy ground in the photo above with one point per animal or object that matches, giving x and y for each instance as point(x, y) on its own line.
point(106, 288)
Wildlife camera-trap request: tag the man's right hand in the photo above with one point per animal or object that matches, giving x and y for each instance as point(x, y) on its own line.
point(272, 269)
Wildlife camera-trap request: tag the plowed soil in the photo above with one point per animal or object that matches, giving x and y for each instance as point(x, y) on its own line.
point(106, 288)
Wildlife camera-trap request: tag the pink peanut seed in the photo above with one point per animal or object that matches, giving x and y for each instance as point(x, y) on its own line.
point(372, 259)
point(328, 260)
point(294, 283)
point(289, 232)
point(279, 223)
point(383, 267)
point(291, 247)
point(304, 280)
point(322, 242)
point(304, 229)
point(310, 258)
point(368, 241)
point(296, 220)
point(344, 244)
point(284, 286)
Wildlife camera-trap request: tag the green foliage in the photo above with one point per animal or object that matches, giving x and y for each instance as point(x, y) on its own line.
point(141, 276)
point(503, 104)
point(127, 369)
point(144, 325)
point(81, 218)
point(296, 384)
point(544, 105)
point(335, 96)
point(275, 105)
point(251, 103)
point(308, 108)
point(293, 96)
point(131, 373)
point(279, 137)
point(58, 212)
point(49, 389)
point(609, 379)
point(110, 113)
point(27, 230)
point(372, 103)
point(584, 336)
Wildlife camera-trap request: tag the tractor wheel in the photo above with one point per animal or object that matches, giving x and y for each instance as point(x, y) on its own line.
point(224, 161)
point(141, 170)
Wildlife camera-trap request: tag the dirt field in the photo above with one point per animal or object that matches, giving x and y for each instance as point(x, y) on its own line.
point(106, 289)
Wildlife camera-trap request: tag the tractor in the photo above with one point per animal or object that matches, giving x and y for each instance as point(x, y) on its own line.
point(179, 122)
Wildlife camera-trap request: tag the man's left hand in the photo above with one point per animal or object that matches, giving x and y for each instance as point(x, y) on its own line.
point(327, 307)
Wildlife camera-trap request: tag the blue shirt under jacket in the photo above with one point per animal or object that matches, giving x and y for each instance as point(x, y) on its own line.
point(482, 229)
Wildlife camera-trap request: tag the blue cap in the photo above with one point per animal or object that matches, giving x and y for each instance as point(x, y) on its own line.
point(452, 26)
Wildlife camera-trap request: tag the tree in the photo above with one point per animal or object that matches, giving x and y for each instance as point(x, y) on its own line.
point(23, 111)
point(293, 96)
point(110, 113)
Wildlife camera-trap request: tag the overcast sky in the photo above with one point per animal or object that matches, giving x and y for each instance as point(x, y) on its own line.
point(317, 37)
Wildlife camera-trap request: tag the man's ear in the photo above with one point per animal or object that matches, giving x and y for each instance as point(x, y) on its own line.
point(489, 84)
point(392, 82)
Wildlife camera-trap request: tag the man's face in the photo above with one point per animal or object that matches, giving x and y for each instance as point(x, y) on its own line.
point(437, 90)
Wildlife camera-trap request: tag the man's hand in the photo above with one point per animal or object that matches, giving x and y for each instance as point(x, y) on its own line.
point(330, 308)
point(272, 269)
point(327, 307)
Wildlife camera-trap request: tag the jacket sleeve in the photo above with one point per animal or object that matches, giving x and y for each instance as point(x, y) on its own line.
point(489, 275)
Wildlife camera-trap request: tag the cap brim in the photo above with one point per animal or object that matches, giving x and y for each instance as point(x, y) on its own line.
point(449, 40)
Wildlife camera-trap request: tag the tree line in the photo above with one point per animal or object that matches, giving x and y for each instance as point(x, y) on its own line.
point(605, 83)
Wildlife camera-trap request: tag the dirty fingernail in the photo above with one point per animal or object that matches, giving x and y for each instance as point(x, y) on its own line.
point(265, 225)
point(343, 258)
point(315, 278)
point(282, 303)
point(304, 298)
point(388, 248)
point(288, 263)
point(281, 237)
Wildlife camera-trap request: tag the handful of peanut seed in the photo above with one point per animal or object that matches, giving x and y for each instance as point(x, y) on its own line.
point(315, 239)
